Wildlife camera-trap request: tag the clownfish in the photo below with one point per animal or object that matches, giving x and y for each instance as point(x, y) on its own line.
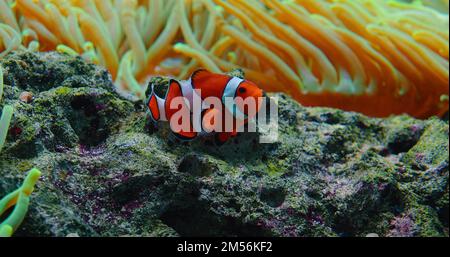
point(205, 86)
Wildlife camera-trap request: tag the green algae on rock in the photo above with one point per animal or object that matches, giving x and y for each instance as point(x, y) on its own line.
point(107, 172)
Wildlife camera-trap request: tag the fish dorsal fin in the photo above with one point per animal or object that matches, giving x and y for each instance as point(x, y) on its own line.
point(200, 76)
point(210, 84)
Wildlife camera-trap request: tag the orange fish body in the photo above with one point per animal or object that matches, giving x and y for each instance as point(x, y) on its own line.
point(222, 101)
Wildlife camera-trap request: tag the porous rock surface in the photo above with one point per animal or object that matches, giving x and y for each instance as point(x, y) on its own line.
point(106, 172)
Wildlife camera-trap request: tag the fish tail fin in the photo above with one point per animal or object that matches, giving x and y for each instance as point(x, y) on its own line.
point(152, 104)
point(148, 92)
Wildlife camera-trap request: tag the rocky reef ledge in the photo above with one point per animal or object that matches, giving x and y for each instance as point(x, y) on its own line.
point(105, 173)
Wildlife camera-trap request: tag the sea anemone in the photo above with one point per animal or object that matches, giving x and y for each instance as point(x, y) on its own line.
point(6, 114)
point(20, 198)
point(378, 57)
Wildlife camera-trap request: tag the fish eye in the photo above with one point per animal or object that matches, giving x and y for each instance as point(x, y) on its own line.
point(242, 90)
